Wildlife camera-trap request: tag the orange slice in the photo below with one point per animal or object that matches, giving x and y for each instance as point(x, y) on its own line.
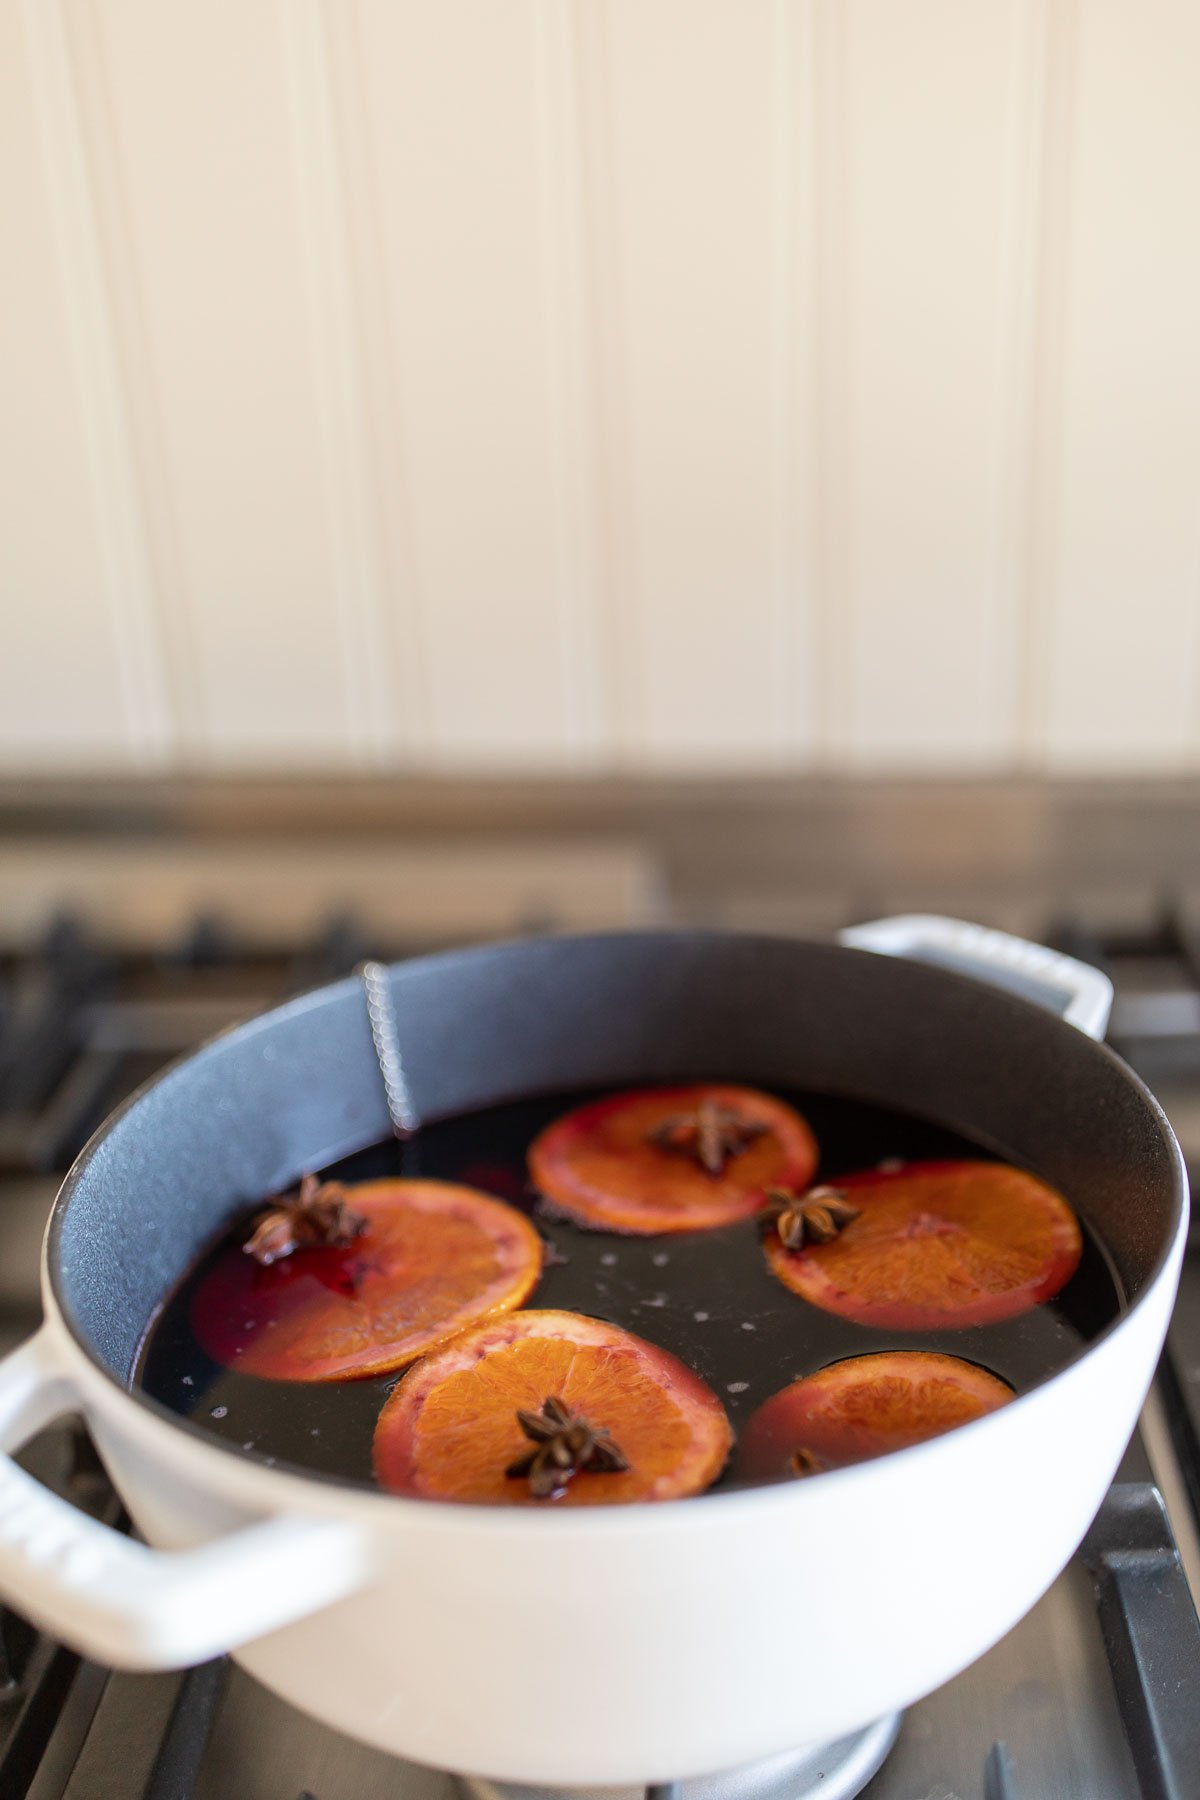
point(434, 1259)
point(864, 1407)
point(450, 1430)
point(938, 1245)
point(601, 1165)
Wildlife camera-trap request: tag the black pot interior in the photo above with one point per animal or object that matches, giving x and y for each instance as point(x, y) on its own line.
point(300, 1087)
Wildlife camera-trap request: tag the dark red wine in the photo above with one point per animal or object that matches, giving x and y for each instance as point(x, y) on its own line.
point(706, 1296)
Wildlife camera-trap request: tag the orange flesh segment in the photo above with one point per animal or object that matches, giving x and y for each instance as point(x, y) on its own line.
point(864, 1407)
point(435, 1258)
point(596, 1165)
point(938, 1244)
point(450, 1429)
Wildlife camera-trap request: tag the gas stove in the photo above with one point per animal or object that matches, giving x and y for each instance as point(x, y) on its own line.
point(1095, 1693)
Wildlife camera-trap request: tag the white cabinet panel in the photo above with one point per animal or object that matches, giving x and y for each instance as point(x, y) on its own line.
point(649, 384)
point(468, 108)
point(189, 114)
point(687, 128)
point(80, 680)
point(1121, 637)
point(923, 232)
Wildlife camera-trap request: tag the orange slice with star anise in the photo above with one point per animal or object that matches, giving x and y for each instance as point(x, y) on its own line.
point(433, 1259)
point(862, 1408)
point(671, 1158)
point(937, 1245)
point(550, 1408)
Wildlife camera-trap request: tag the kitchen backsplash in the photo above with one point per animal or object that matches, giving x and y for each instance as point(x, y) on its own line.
point(556, 385)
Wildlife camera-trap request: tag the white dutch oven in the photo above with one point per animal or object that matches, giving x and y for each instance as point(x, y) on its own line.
point(639, 1644)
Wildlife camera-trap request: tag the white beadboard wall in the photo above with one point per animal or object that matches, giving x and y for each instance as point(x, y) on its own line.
point(600, 384)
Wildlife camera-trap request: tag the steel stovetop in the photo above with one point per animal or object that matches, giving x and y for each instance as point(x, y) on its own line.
point(1037, 1717)
point(1095, 1693)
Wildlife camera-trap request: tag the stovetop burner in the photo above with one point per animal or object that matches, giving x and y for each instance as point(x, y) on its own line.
point(838, 1771)
point(1096, 1693)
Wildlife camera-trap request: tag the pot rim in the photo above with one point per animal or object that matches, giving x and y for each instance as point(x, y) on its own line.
point(291, 1482)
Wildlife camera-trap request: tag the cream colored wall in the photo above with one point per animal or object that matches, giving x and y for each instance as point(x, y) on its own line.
point(446, 384)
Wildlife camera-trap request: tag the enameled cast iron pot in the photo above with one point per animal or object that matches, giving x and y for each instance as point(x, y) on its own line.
point(608, 1645)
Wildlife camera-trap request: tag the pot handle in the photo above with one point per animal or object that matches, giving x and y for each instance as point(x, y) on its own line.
point(130, 1606)
point(1079, 993)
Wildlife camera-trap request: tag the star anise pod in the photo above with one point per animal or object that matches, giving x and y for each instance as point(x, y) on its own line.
point(565, 1445)
point(711, 1133)
point(806, 1462)
point(318, 1213)
point(814, 1217)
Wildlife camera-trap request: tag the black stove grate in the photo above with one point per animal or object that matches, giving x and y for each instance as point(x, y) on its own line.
point(1151, 1634)
point(1156, 1027)
point(80, 1026)
point(58, 1713)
